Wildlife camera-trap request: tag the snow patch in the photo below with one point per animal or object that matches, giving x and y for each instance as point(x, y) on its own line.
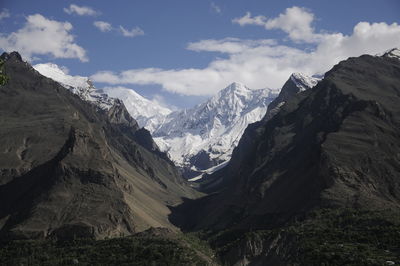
point(82, 86)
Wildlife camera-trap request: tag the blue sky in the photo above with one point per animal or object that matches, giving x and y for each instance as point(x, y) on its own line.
point(181, 52)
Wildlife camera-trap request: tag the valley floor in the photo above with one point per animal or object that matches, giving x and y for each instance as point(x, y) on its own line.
point(323, 237)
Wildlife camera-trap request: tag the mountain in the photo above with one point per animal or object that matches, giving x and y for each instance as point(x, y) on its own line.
point(77, 168)
point(81, 86)
point(202, 138)
point(296, 83)
point(147, 113)
point(316, 183)
point(333, 146)
point(199, 148)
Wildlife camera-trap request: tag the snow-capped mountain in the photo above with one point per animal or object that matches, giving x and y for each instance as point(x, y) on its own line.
point(79, 85)
point(204, 136)
point(147, 113)
point(303, 82)
point(296, 83)
point(393, 53)
point(200, 139)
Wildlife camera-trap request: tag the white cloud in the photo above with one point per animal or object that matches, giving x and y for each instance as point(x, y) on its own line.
point(227, 45)
point(136, 31)
point(4, 14)
point(81, 10)
point(103, 26)
point(264, 63)
point(106, 27)
point(249, 20)
point(215, 8)
point(42, 36)
point(295, 21)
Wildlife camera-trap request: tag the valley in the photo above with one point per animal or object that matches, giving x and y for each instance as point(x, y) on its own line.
point(304, 175)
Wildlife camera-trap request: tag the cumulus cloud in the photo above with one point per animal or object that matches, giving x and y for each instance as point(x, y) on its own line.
point(81, 10)
point(295, 21)
point(42, 36)
point(215, 8)
point(264, 63)
point(4, 14)
point(136, 31)
point(103, 26)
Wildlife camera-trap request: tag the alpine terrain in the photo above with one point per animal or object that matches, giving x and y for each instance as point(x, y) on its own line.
point(201, 139)
point(198, 140)
point(319, 181)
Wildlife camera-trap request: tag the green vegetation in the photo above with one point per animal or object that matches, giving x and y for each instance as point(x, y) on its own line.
point(118, 251)
point(324, 237)
point(3, 76)
point(348, 237)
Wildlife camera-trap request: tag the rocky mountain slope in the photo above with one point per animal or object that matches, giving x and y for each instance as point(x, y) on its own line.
point(336, 145)
point(318, 183)
point(69, 168)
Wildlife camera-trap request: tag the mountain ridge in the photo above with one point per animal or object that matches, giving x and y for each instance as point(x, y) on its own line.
point(328, 147)
point(71, 169)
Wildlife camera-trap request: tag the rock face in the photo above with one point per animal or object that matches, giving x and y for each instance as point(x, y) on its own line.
point(336, 145)
point(69, 168)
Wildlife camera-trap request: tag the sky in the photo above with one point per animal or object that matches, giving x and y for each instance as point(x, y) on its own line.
point(180, 52)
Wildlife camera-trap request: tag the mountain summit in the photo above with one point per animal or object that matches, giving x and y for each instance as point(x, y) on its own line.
point(203, 137)
point(148, 114)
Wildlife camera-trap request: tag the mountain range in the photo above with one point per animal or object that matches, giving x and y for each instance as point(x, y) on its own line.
point(315, 181)
point(200, 139)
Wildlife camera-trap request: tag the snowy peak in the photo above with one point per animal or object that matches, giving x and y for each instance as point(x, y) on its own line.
point(393, 53)
point(54, 72)
point(234, 88)
point(204, 136)
point(79, 85)
point(148, 114)
point(303, 82)
point(296, 83)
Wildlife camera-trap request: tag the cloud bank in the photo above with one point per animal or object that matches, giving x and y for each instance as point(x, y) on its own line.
point(265, 62)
